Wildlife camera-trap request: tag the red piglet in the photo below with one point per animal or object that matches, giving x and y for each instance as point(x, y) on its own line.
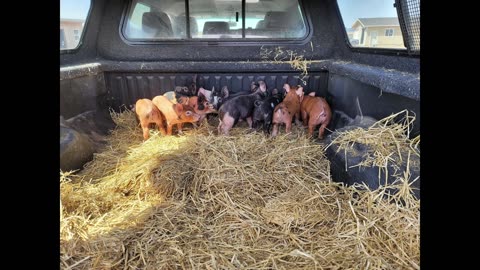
point(315, 111)
point(147, 114)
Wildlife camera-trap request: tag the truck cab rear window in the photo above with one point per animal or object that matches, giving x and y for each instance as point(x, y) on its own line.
point(371, 23)
point(150, 20)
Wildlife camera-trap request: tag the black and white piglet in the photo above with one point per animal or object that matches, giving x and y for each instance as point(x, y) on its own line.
point(240, 107)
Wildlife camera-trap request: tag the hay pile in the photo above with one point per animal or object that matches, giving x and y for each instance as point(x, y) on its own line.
point(202, 201)
point(387, 143)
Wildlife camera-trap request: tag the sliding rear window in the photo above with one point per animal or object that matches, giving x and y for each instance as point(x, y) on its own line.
point(371, 23)
point(223, 20)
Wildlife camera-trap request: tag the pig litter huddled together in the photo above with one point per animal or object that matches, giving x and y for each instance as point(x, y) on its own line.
point(255, 106)
point(242, 201)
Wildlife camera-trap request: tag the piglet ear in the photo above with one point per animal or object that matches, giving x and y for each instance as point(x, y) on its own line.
point(299, 91)
point(201, 98)
point(178, 108)
point(193, 88)
point(312, 94)
point(225, 91)
point(201, 91)
point(263, 86)
point(286, 87)
point(253, 86)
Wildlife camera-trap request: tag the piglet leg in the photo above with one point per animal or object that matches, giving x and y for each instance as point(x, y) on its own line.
point(146, 135)
point(275, 129)
point(266, 127)
point(161, 128)
point(288, 126)
point(179, 128)
point(310, 130)
point(202, 117)
point(219, 128)
point(321, 131)
point(223, 129)
point(304, 118)
point(249, 121)
point(297, 119)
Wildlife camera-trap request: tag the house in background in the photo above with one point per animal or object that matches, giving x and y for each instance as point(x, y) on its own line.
point(377, 32)
point(350, 32)
point(70, 31)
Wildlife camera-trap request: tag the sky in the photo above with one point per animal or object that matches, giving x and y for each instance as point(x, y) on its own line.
point(353, 9)
point(74, 9)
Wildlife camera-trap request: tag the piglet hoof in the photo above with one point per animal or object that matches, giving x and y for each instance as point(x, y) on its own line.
point(180, 132)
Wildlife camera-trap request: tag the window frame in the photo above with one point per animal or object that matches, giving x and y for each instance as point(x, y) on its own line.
point(393, 32)
point(217, 41)
point(84, 30)
point(372, 50)
point(76, 35)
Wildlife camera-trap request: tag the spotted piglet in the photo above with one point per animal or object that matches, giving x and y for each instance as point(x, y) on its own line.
point(315, 111)
point(199, 103)
point(189, 91)
point(289, 108)
point(207, 93)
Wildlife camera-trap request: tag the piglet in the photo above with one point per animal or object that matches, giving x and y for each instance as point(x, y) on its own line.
point(207, 93)
point(315, 111)
point(287, 109)
point(239, 107)
point(148, 113)
point(263, 111)
point(221, 96)
point(190, 90)
point(175, 113)
point(199, 103)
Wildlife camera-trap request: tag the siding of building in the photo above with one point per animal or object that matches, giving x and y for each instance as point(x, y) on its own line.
point(68, 28)
point(395, 41)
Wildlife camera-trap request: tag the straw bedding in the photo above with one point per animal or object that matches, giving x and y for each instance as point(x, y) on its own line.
point(246, 201)
point(387, 145)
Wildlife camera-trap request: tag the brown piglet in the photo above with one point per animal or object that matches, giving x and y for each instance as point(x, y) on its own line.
point(175, 113)
point(287, 109)
point(147, 114)
point(315, 111)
